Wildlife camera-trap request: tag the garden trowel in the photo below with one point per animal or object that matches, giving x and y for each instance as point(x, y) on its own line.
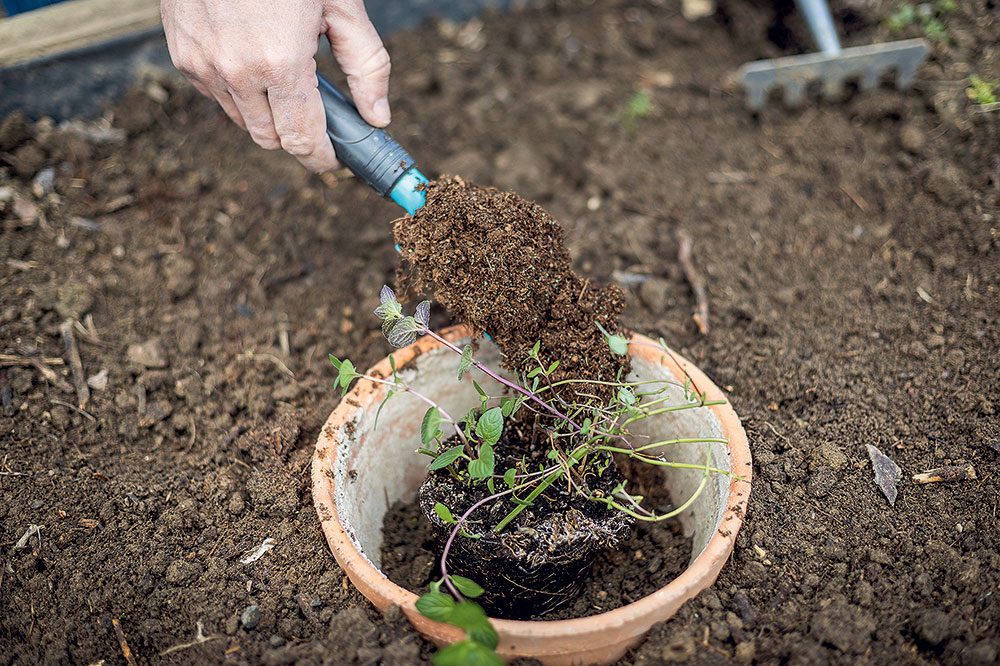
point(832, 66)
point(370, 152)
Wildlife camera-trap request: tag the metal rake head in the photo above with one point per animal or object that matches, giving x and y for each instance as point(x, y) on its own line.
point(864, 64)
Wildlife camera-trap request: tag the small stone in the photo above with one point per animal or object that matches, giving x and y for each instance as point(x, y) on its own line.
point(653, 293)
point(236, 504)
point(912, 138)
point(98, 382)
point(44, 182)
point(276, 641)
point(745, 652)
point(250, 617)
point(149, 354)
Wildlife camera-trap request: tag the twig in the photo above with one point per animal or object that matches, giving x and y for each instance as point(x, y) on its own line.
point(74, 408)
point(8, 360)
point(73, 352)
point(198, 640)
point(951, 473)
point(250, 355)
point(126, 651)
point(697, 284)
point(51, 376)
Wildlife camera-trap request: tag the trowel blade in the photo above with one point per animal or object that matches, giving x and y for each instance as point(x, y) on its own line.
point(865, 64)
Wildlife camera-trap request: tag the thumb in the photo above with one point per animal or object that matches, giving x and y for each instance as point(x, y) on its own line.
point(358, 50)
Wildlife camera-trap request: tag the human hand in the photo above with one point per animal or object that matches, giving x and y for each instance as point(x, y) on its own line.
point(256, 59)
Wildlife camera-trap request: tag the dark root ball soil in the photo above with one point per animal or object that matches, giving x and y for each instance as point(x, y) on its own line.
point(497, 262)
point(538, 561)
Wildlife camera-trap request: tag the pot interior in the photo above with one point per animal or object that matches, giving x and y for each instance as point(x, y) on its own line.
point(376, 466)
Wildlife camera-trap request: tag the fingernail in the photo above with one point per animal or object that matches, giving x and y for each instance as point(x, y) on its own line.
point(381, 111)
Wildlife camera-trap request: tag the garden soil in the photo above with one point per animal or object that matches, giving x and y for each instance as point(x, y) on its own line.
point(849, 253)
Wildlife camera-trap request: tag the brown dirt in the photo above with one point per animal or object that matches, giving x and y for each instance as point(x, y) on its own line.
point(850, 255)
point(497, 263)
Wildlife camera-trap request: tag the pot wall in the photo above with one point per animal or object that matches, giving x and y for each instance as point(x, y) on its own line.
point(359, 471)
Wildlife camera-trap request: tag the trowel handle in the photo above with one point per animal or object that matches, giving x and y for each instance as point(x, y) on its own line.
point(817, 14)
point(368, 151)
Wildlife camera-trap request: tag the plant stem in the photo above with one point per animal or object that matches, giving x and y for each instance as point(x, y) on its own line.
point(444, 414)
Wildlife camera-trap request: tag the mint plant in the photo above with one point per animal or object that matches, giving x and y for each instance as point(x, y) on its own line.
point(582, 434)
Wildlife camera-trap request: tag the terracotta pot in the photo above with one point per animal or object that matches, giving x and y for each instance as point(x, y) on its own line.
point(359, 472)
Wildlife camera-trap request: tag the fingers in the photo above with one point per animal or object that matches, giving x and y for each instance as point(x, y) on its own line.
point(359, 51)
point(256, 112)
point(300, 122)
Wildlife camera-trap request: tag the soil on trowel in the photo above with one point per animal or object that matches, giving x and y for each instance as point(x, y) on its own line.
point(497, 263)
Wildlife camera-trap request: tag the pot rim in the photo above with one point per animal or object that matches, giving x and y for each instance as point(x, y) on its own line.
point(635, 617)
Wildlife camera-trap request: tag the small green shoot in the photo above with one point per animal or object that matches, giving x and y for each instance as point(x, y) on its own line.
point(981, 91)
point(928, 17)
point(639, 105)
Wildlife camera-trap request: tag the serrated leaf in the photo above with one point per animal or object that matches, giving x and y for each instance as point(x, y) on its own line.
point(479, 469)
point(469, 588)
point(466, 653)
point(423, 313)
point(485, 636)
point(335, 361)
point(508, 477)
point(466, 361)
point(444, 513)
point(447, 458)
point(429, 426)
point(403, 333)
point(387, 295)
point(490, 426)
point(346, 374)
point(437, 606)
point(468, 615)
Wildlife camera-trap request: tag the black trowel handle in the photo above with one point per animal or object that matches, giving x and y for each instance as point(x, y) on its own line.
point(368, 151)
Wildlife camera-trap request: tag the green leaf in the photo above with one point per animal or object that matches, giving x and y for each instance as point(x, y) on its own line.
point(508, 477)
point(346, 374)
point(491, 486)
point(534, 373)
point(335, 361)
point(537, 346)
point(381, 405)
point(444, 513)
point(435, 585)
point(485, 635)
point(429, 426)
point(466, 653)
point(479, 389)
point(447, 458)
point(625, 396)
point(423, 313)
point(466, 361)
point(490, 426)
point(469, 588)
point(480, 469)
point(618, 344)
point(468, 615)
point(437, 606)
point(552, 367)
point(403, 333)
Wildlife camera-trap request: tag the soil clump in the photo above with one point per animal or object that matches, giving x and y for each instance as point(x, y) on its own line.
point(497, 263)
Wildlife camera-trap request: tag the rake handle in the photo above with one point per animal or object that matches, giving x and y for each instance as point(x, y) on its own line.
point(817, 13)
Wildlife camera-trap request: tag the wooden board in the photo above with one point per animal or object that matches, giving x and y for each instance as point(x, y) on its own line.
point(72, 24)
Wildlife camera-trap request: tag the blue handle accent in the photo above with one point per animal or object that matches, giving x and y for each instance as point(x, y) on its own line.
point(406, 193)
point(817, 14)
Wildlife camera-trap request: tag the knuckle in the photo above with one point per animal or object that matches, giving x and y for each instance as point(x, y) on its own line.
point(298, 145)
